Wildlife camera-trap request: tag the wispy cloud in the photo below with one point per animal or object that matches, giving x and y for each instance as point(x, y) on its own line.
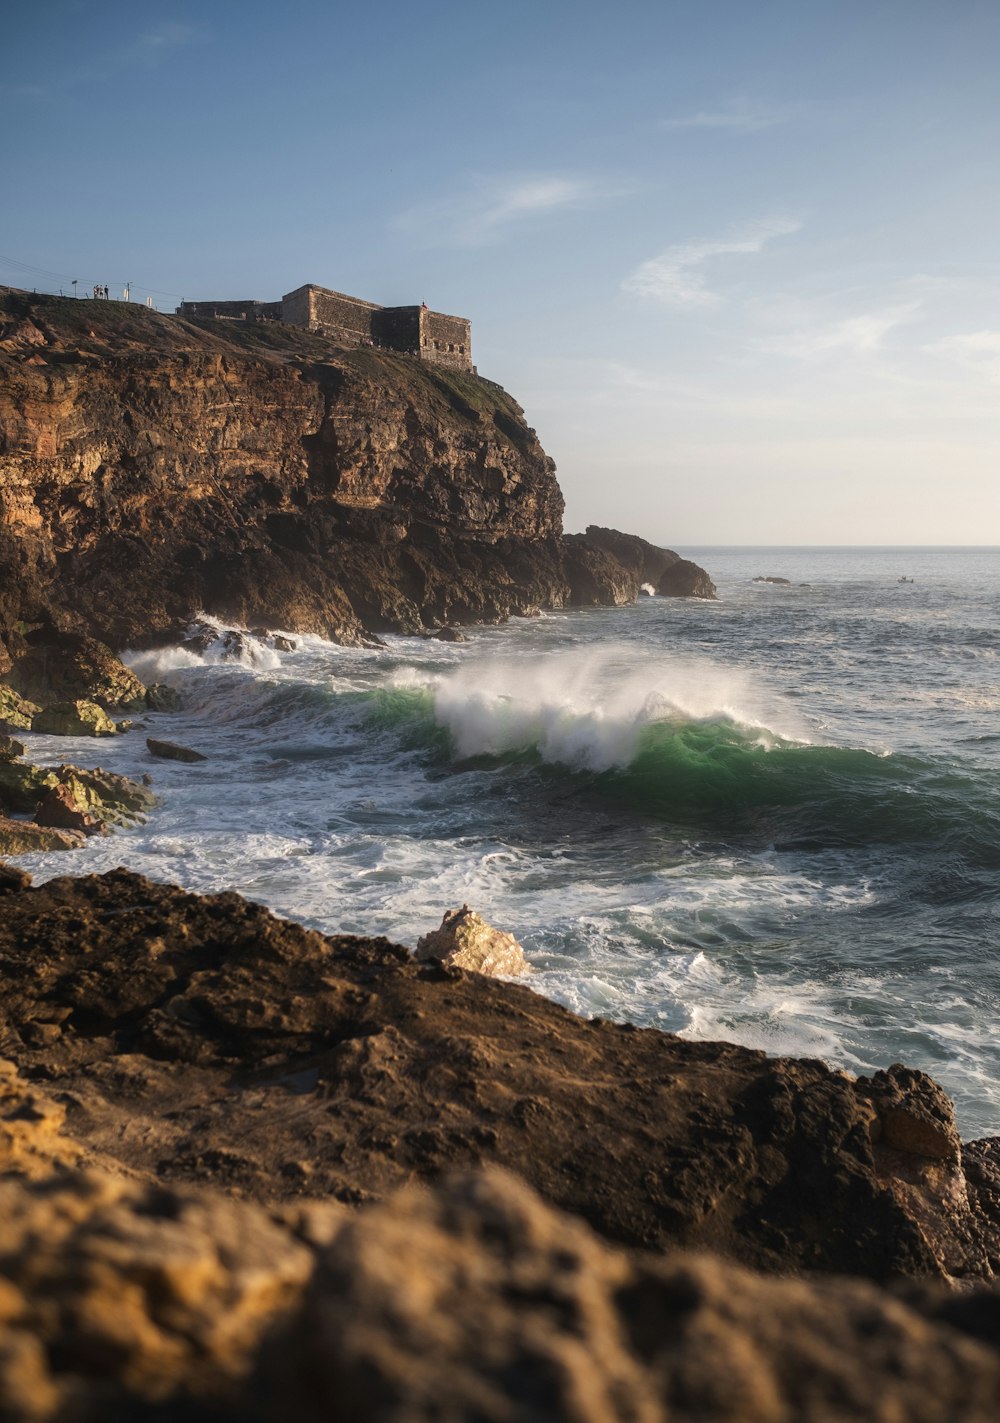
point(975, 351)
point(676, 276)
point(855, 335)
point(487, 209)
point(740, 117)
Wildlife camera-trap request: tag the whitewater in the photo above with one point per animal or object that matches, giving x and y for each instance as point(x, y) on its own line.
point(773, 819)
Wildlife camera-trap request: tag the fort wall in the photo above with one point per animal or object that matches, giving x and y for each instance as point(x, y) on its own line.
point(412, 330)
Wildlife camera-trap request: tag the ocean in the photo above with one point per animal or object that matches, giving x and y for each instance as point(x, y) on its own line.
point(773, 819)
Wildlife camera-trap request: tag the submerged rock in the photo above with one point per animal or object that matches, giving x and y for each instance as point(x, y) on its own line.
point(161, 698)
point(769, 578)
point(170, 751)
point(465, 940)
point(74, 719)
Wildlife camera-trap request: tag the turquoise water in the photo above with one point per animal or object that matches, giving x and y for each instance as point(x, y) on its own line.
point(774, 818)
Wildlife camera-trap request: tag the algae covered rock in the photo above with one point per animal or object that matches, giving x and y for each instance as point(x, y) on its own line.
point(79, 718)
point(465, 940)
point(70, 667)
point(15, 712)
point(22, 786)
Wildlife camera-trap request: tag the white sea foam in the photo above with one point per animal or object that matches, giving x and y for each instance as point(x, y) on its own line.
point(587, 708)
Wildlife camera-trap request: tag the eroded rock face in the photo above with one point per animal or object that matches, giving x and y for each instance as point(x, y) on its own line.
point(203, 1040)
point(685, 579)
point(79, 718)
point(71, 668)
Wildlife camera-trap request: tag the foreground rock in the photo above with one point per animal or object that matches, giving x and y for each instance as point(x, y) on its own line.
point(466, 941)
point(266, 476)
point(472, 1300)
point(203, 1040)
point(66, 803)
point(24, 837)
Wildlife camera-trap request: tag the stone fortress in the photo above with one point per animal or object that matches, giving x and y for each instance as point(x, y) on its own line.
point(411, 330)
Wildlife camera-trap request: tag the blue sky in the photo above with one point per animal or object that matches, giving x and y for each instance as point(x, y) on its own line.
point(738, 260)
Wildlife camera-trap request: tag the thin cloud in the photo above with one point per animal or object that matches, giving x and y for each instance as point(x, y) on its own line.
point(739, 118)
point(856, 335)
point(676, 277)
point(976, 351)
point(489, 208)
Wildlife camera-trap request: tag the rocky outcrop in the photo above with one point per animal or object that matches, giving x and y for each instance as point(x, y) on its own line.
point(201, 1040)
point(66, 803)
point(685, 579)
point(151, 466)
point(465, 940)
point(472, 1299)
point(72, 668)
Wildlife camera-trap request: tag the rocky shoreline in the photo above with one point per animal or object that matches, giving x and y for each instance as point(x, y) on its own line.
point(247, 1164)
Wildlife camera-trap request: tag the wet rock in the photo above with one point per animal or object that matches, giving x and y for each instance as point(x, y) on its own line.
point(20, 837)
point(284, 644)
point(60, 809)
point(161, 698)
point(768, 578)
point(10, 749)
point(449, 635)
point(685, 579)
point(71, 668)
point(465, 940)
point(15, 712)
point(78, 718)
point(170, 751)
point(111, 798)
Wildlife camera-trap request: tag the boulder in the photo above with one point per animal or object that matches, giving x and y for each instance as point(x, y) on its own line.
point(80, 718)
point(161, 698)
point(449, 634)
point(15, 712)
point(770, 578)
point(12, 879)
point(20, 837)
point(465, 940)
point(170, 751)
point(68, 667)
point(22, 786)
point(10, 749)
point(284, 644)
point(685, 579)
point(59, 808)
point(111, 798)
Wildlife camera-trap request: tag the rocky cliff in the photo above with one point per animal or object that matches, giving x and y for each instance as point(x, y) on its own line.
point(151, 466)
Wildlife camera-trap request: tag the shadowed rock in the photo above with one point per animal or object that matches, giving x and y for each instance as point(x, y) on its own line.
point(170, 751)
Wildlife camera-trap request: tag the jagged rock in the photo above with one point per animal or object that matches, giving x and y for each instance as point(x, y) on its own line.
point(449, 635)
point(170, 751)
point(58, 808)
point(10, 749)
point(71, 668)
point(15, 712)
point(195, 1023)
point(32, 1142)
point(74, 719)
point(22, 786)
point(465, 940)
point(685, 579)
point(20, 837)
point(284, 644)
point(161, 698)
point(914, 1114)
point(111, 798)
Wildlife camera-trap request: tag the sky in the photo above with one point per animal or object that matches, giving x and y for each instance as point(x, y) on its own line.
point(737, 259)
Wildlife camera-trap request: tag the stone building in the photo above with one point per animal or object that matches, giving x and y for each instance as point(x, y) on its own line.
point(414, 330)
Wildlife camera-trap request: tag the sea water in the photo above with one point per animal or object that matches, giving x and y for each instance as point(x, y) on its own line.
point(773, 819)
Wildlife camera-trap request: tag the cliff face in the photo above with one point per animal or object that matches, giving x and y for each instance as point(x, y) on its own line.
point(149, 466)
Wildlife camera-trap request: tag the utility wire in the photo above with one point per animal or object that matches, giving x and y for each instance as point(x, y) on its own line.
point(62, 277)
